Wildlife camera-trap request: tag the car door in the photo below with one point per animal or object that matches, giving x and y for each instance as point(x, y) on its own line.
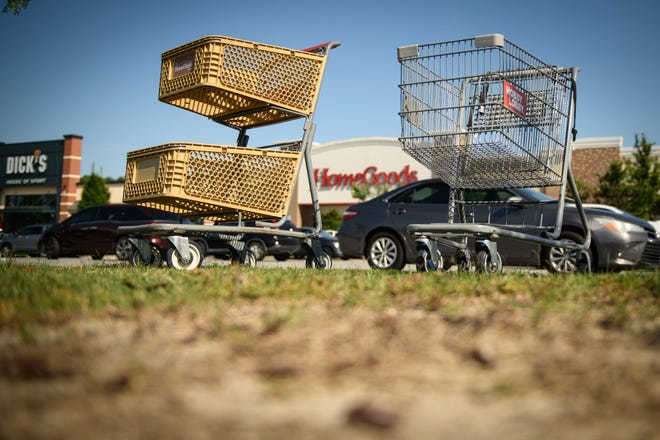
point(77, 235)
point(26, 239)
point(421, 204)
point(108, 218)
point(503, 208)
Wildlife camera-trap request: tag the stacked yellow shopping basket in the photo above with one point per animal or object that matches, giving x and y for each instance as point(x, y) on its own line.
point(240, 84)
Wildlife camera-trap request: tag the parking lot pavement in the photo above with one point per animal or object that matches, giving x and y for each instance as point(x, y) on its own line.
point(268, 263)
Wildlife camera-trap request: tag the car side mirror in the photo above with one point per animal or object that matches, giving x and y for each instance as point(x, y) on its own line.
point(514, 199)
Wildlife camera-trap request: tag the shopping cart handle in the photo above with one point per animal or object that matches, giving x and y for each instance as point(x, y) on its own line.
point(323, 48)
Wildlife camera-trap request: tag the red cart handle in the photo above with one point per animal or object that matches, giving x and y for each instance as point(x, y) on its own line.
point(323, 48)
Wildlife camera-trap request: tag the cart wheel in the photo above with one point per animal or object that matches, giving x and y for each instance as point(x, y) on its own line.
point(324, 261)
point(560, 259)
point(583, 261)
point(485, 262)
point(195, 259)
point(425, 262)
point(250, 260)
point(154, 260)
point(464, 261)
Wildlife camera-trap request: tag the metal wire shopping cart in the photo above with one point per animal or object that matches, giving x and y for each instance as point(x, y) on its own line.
point(483, 114)
point(242, 85)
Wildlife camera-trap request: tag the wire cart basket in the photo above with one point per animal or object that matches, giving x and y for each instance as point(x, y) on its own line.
point(242, 85)
point(483, 114)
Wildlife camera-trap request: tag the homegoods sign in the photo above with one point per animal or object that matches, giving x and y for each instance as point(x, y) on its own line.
point(371, 175)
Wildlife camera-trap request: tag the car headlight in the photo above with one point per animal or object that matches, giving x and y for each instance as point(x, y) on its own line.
point(618, 225)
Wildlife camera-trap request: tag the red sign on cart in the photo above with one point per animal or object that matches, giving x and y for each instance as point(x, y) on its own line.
point(514, 99)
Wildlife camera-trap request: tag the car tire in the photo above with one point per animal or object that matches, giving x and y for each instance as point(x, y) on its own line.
point(560, 260)
point(385, 252)
point(6, 250)
point(52, 248)
point(42, 250)
point(123, 248)
point(258, 249)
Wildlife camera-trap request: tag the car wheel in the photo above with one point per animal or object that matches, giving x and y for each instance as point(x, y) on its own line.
point(195, 258)
point(52, 248)
point(561, 260)
point(258, 250)
point(6, 250)
point(42, 249)
point(385, 251)
point(123, 248)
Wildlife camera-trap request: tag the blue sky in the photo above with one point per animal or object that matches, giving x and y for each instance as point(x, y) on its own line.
point(92, 68)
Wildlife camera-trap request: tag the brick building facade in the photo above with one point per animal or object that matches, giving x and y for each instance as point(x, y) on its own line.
point(592, 157)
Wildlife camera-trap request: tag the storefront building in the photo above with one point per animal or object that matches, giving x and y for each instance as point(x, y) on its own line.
point(377, 163)
point(39, 179)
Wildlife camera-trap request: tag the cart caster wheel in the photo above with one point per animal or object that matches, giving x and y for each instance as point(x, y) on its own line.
point(155, 259)
point(324, 261)
point(175, 261)
point(425, 262)
point(583, 262)
point(250, 260)
point(486, 264)
point(464, 261)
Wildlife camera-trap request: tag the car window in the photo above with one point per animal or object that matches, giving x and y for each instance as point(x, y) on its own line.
point(489, 195)
point(86, 215)
point(165, 215)
point(428, 194)
point(108, 213)
point(131, 213)
point(30, 230)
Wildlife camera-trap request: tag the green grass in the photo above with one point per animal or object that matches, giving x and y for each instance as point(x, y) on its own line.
point(32, 295)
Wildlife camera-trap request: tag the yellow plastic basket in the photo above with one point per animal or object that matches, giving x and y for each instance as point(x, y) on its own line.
point(212, 181)
point(240, 83)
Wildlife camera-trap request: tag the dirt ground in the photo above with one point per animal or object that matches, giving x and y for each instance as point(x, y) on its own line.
point(272, 370)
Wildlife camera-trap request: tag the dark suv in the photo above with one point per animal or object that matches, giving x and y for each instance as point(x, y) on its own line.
point(93, 231)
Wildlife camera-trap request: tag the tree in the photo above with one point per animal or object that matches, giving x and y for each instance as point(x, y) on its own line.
point(95, 191)
point(15, 6)
point(331, 219)
point(364, 192)
point(633, 185)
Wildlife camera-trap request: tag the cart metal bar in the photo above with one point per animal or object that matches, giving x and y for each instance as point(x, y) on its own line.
point(486, 230)
point(185, 229)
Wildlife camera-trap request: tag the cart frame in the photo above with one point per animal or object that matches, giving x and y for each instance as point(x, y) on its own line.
point(183, 253)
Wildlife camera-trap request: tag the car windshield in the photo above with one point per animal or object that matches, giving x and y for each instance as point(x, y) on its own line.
point(534, 195)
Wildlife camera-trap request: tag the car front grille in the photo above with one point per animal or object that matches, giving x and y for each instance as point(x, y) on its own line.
point(651, 254)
